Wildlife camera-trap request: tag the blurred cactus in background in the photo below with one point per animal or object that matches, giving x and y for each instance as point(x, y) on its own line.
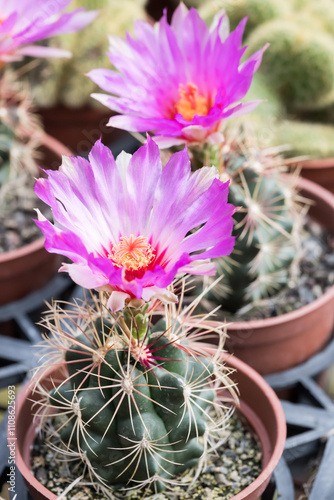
point(20, 135)
point(135, 410)
point(299, 64)
point(304, 138)
point(297, 69)
point(63, 82)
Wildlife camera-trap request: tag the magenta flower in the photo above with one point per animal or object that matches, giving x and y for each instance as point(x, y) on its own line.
point(23, 22)
point(179, 81)
point(127, 224)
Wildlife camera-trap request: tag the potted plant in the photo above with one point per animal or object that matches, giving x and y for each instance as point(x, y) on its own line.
point(131, 393)
point(195, 104)
point(24, 264)
point(61, 91)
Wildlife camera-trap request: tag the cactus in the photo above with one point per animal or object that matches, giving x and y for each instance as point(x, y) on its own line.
point(63, 81)
point(304, 138)
point(271, 106)
point(297, 68)
point(267, 225)
point(137, 410)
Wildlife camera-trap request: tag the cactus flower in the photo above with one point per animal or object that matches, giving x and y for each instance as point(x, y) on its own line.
point(24, 22)
point(180, 81)
point(130, 226)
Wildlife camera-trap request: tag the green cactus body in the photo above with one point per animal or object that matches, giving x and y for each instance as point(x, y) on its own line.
point(135, 419)
point(257, 11)
point(266, 229)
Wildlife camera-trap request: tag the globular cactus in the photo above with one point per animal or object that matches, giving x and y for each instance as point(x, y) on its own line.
point(257, 11)
point(137, 404)
point(267, 226)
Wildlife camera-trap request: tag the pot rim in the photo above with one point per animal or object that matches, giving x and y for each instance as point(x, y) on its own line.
point(316, 164)
point(231, 361)
point(60, 149)
point(319, 192)
point(280, 424)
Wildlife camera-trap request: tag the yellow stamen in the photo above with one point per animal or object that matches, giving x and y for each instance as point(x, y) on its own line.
point(133, 253)
point(191, 103)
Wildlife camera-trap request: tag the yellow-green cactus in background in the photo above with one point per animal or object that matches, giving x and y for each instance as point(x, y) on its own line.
point(297, 69)
point(305, 138)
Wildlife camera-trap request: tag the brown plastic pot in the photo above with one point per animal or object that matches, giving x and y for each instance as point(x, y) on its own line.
point(30, 267)
point(275, 344)
point(320, 171)
point(80, 128)
point(259, 405)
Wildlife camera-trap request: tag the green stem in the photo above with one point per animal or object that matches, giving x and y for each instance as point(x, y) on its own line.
point(136, 320)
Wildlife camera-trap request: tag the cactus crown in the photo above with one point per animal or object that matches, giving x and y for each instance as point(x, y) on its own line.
point(135, 410)
point(268, 223)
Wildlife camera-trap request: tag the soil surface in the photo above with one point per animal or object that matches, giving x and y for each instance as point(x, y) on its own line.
point(313, 277)
point(17, 214)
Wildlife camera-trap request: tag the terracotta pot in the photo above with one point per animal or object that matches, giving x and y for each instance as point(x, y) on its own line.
point(80, 128)
point(276, 344)
point(320, 171)
point(30, 267)
point(259, 405)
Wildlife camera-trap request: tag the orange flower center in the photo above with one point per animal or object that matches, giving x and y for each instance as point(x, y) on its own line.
point(191, 103)
point(132, 253)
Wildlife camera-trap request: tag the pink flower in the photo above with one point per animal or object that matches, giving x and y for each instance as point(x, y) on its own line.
point(23, 22)
point(128, 224)
point(179, 81)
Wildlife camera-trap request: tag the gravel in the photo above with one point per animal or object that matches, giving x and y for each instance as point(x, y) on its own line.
point(315, 275)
